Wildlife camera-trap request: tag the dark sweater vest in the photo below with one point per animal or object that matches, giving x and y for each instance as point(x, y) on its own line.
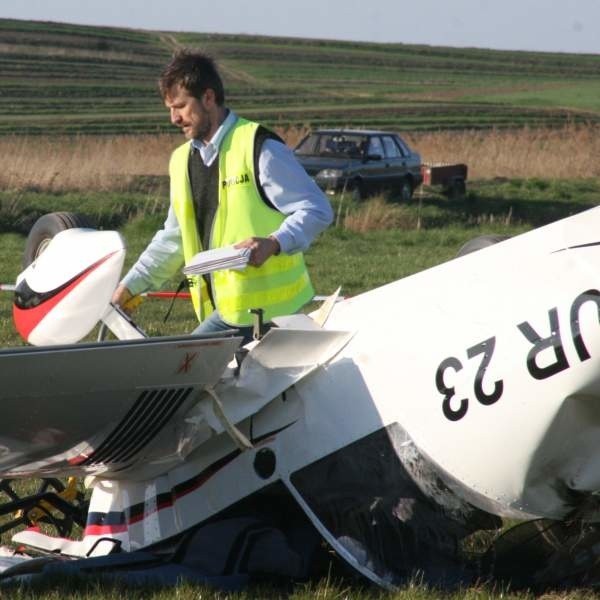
point(204, 182)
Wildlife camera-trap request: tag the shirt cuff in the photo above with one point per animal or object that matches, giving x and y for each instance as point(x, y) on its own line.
point(134, 284)
point(286, 242)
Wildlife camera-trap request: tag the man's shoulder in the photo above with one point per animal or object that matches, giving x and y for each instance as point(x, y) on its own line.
point(185, 147)
point(181, 152)
point(261, 131)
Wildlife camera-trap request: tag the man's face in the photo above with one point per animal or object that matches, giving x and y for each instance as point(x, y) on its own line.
point(192, 115)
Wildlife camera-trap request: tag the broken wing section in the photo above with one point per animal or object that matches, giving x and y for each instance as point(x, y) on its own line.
point(103, 408)
point(281, 359)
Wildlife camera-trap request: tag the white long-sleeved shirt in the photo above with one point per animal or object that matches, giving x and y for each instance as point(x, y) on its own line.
point(286, 185)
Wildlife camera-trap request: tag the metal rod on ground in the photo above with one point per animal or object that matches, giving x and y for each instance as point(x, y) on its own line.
point(165, 295)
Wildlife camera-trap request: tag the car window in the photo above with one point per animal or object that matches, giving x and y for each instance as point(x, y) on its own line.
point(391, 148)
point(340, 145)
point(375, 146)
point(403, 147)
point(307, 145)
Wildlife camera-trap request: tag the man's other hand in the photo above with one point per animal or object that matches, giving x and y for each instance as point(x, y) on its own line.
point(260, 249)
point(123, 298)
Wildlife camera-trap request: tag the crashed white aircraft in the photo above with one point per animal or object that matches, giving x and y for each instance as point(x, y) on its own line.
point(392, 424)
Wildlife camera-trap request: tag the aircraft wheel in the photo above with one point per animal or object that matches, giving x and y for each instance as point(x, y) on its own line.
point(46, 227)
point(479, 242)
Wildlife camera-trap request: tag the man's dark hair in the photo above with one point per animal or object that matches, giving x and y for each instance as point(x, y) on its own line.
point(194, 71)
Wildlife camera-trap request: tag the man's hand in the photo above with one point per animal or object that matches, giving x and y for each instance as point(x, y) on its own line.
point(122, 297)
point(260, 249)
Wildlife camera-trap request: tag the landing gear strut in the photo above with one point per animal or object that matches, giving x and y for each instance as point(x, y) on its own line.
point(53, 503)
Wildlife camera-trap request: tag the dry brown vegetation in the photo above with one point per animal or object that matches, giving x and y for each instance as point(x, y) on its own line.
point(572, 151)
point(82, 162)
point(116, 162)
point(376, 215)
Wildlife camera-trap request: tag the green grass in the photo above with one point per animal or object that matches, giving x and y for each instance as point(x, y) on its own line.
point(356, 261)
point(340, 257)
point(573, 94)
point(74, 589)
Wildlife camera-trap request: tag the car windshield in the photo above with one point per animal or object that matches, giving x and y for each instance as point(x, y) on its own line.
point(334, 144)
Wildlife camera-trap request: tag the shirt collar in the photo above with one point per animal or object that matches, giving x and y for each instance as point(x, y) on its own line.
point(210, 150)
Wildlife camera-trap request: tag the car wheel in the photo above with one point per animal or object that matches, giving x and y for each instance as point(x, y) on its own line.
point(406, 190)
point(480, 242)
point(457, 190)
point(357, 191)
point(45, 228)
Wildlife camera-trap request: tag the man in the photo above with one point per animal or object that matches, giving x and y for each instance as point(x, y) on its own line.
point(232, 182)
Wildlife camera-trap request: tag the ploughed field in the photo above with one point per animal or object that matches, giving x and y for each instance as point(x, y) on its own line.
point(59, 78)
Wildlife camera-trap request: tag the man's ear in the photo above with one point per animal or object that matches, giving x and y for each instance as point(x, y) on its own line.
point(209, 98)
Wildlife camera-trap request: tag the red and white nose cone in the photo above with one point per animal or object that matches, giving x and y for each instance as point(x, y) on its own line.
point(61, 296)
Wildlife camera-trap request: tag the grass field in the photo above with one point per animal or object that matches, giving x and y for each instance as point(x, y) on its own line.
point(373, 243)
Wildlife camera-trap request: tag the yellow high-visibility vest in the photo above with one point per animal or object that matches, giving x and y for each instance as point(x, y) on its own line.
point(281, 285)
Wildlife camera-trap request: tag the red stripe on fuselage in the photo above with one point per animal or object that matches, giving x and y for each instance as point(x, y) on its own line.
point(27, 319)
point(198, 481)
point(104, 529)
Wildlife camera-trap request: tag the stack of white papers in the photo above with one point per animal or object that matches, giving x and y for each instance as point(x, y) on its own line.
point(217, 259)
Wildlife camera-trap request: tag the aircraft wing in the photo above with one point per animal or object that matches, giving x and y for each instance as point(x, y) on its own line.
point(98, 407)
